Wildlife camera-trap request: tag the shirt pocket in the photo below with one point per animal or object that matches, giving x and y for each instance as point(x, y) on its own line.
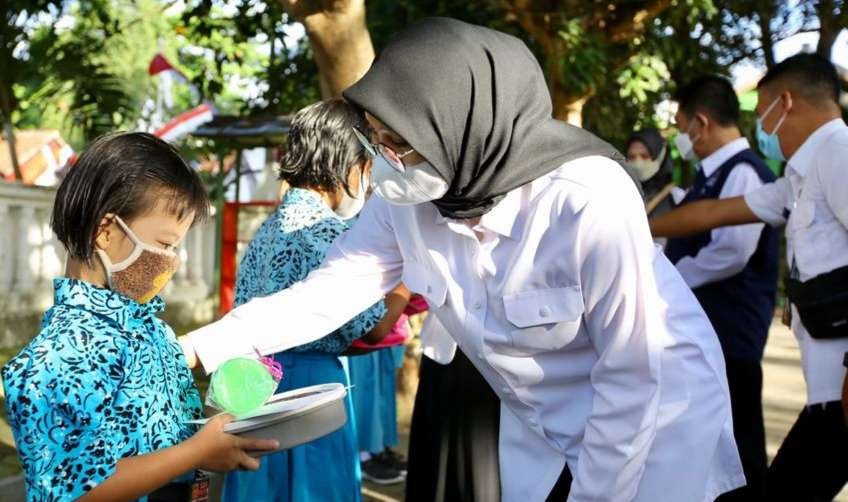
point(545, 319)
point(802, 216)
point(426, 282)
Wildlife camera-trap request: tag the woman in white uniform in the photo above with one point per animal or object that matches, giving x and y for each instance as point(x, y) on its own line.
point(531, 245)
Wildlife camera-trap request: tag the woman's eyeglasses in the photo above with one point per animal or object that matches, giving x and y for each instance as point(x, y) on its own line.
point(394, 158)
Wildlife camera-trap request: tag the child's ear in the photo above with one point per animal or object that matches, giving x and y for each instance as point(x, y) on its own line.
point(105, 231)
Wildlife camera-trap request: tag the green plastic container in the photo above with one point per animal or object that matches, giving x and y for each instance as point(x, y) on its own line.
point(241, 385)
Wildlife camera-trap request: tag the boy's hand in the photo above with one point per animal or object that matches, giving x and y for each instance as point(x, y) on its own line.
point(218, 451)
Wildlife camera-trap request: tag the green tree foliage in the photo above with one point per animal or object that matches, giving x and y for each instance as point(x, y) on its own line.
point(608, 62)
point(15, 63)
point(81, 67)
point(227, 54)
point(53, 70)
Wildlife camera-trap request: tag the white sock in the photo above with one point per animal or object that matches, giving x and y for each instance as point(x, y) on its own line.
point(364, 456)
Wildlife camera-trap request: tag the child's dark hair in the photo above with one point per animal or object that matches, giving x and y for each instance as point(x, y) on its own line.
point(322, 146)
point(123, 174)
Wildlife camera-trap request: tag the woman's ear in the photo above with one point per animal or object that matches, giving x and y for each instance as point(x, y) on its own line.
point(105, 232)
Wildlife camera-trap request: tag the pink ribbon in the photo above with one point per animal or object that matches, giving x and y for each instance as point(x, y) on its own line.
point(274, 367)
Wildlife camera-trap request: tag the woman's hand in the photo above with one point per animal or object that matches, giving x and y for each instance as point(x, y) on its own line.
point(218, 451)
point(188, 350)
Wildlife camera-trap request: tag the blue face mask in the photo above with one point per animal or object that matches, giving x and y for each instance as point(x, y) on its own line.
point(770, 143)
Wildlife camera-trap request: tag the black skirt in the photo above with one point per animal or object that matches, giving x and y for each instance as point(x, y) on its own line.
point(453, 444)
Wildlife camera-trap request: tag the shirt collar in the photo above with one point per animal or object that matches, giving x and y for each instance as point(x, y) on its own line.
point(309, 198)
point(722, 155)
point(505, 218)
point(801, 160)
point(103, 302)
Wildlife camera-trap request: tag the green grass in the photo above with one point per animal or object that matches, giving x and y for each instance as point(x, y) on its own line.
point(9, 464)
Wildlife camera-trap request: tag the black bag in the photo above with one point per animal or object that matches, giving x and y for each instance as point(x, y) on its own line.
point(822, 303)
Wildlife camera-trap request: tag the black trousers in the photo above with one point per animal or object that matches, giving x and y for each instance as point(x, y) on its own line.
point(745, 379)
point(453, 444)
point(812, 463)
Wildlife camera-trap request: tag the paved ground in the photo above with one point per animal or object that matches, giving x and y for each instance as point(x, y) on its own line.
point(783, 389)
point(783, 398)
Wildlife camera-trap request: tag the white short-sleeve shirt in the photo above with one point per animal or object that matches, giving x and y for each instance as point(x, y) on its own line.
point(811, 199)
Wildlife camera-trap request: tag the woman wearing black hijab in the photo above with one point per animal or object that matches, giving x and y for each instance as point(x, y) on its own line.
point(531, 245)
point(649, 159)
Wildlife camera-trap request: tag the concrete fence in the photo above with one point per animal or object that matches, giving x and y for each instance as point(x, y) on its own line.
point(30, 257)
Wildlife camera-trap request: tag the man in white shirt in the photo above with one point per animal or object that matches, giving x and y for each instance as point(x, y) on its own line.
point(531, 245)
point(800, 119)
point(733, 270)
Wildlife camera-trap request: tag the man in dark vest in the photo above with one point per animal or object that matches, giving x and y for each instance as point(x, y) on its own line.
point(732, 270)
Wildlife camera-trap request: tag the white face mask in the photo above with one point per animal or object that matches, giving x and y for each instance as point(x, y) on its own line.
point(417, 184)
point(645, 169)
point(686, 145)
point(351, 206)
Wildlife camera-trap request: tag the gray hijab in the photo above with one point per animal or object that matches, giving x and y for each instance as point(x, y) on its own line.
point(474, 103)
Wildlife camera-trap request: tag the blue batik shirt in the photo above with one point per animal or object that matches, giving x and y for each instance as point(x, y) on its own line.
point(105, 379)
point(289, 245)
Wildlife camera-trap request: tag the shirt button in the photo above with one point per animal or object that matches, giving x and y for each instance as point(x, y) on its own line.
point(429, 288)
point(478, 305)
point(532, 422)
point(544, 311)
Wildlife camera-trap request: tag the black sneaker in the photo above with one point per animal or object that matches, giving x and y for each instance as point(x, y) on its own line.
point(393, 459)
point(380, 473)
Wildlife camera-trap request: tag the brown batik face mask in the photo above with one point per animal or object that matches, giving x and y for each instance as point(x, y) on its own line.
point(143, 274)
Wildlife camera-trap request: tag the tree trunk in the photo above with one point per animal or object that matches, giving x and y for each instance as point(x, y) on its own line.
point(766, 35)
point(7, 104)
point(830, 26)
point(339, 39)
point(9, 135)
point(568, 107)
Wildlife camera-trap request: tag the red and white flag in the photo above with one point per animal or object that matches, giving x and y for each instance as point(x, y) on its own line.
point(185, 123)
point(168, 74)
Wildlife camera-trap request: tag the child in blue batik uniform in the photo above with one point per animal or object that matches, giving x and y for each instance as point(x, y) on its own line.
point(99, 401)
point(328, 172)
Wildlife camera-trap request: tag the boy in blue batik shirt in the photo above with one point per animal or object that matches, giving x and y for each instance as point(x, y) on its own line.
point(99, 400)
